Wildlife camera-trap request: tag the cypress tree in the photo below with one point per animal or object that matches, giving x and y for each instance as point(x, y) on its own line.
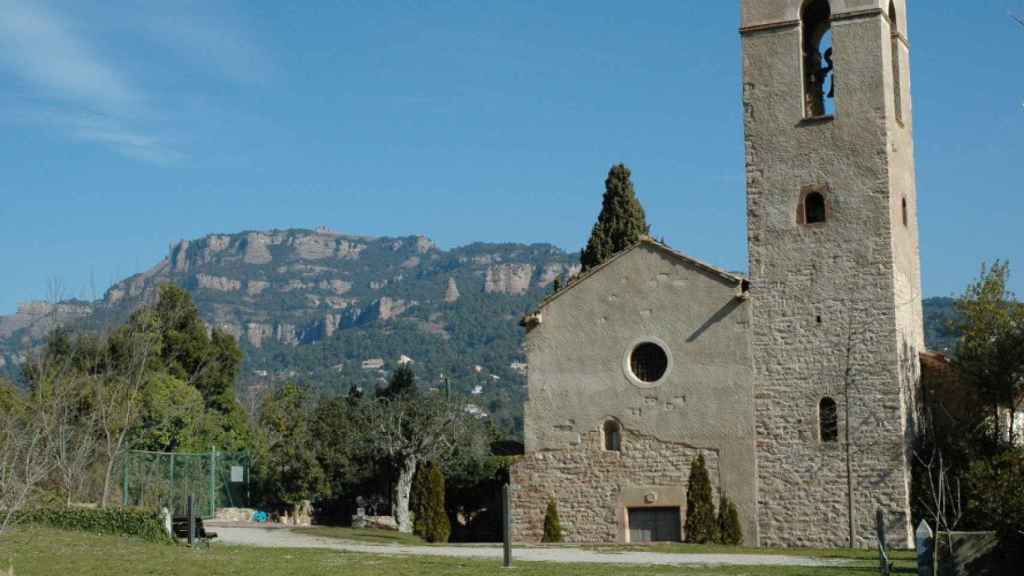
point(402, 383)
point(431, 522)
point(621, 223)
point(701, 524)
point(730, 532)
point(418, 499)
point(552, 526)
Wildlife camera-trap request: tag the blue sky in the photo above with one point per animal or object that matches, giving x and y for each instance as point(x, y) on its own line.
point(126, 126)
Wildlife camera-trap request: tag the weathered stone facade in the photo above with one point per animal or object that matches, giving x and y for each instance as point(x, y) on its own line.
point(836, 304)
point(594, 487)
point(580, 379)
point(805, 389)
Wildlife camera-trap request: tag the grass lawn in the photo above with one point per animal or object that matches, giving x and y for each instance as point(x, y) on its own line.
point(33, 552)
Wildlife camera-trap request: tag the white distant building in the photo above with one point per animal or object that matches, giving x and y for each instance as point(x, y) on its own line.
point(519, 367)
point(495, 377)
point(474, 410)
point(477, 390)
point(373, 364)
point(403, 360)
point(478, 368)
point(338, 367)
point(260, 373)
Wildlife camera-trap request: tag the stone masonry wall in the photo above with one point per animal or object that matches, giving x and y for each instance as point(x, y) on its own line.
point(835, 304)
point(588, 484)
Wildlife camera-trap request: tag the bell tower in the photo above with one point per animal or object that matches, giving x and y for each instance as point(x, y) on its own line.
point(834, 267)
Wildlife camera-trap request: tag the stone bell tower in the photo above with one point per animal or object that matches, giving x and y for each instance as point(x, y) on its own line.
point(834, 267)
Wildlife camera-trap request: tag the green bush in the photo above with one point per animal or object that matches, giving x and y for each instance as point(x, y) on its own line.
point(431, 519)
point(996, 498)
point(138, 522)
point(730, 532)
point(552, 525)
point(700, 510)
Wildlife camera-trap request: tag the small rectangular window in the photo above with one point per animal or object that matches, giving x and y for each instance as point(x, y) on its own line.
point(828, 420)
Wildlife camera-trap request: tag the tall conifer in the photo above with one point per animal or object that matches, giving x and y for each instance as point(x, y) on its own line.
point(701, 524)
point(552, 525)
point(729, 530)
point(621, 223)
point(431, 522)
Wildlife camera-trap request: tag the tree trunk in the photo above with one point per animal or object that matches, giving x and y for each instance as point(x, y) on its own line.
point(400, 500)
point(107, 476)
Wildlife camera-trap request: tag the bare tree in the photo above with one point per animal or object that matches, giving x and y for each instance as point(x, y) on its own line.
point(410, 429)
point(117, 394)
point(25, 459)
point(942, 499)
point(73, 432)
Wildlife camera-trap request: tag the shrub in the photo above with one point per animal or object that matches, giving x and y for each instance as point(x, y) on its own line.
point(431, 521)
point(730, 532)
point(700, 510)
point(552, 525)
point(138, 522)
point(996, 500)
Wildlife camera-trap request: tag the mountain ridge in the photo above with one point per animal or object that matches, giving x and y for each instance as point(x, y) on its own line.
point(335, 310)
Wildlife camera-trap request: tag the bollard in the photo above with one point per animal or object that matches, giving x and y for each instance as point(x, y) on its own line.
point(506, 521)
point(191, 520)
point(924, 541)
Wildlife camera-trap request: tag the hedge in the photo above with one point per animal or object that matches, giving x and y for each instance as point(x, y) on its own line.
point(138, 522)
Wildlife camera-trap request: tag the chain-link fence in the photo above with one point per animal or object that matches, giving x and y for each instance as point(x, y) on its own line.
point(166, 479)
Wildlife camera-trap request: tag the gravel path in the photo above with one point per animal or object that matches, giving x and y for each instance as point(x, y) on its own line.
point(285, 538)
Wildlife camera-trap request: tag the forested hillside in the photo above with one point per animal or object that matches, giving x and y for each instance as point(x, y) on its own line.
point(333, 311)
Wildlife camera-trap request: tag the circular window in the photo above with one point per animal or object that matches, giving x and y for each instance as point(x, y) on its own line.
point(648, 362)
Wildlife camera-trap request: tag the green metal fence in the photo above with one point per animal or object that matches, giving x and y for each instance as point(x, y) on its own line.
point(166, 479)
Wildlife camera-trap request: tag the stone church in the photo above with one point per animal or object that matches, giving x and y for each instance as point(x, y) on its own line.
point(798, 383)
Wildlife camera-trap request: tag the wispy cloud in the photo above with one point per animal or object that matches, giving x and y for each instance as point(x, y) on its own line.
point(216, 42)
point(42, 48)
point(84, 95)
point(130, 143)
point(94, 127)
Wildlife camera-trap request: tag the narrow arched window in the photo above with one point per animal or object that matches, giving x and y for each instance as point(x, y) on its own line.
point(906, 216)
point(819, 67)
point(612, 436)
point(897, 73)
point(828, 420)
point(814, 208)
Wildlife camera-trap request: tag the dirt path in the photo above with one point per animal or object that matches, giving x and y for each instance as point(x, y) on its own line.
point(284, 538)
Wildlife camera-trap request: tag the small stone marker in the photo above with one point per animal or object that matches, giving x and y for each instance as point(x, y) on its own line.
point(165, 516)
point(884, 565)
point(924, 539)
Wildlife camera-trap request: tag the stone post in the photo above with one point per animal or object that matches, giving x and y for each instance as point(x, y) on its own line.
point(506, 523)
point(925, 544)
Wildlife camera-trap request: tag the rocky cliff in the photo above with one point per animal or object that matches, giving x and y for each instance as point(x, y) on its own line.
point(298, 300)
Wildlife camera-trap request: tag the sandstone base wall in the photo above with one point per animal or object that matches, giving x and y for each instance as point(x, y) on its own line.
point(593, 487)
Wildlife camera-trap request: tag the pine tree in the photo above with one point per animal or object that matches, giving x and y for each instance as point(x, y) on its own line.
point(700, 509)
point(431, 522)
point(552, 526)
point(730, 532)
point(621, 223)
point(402, 383)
